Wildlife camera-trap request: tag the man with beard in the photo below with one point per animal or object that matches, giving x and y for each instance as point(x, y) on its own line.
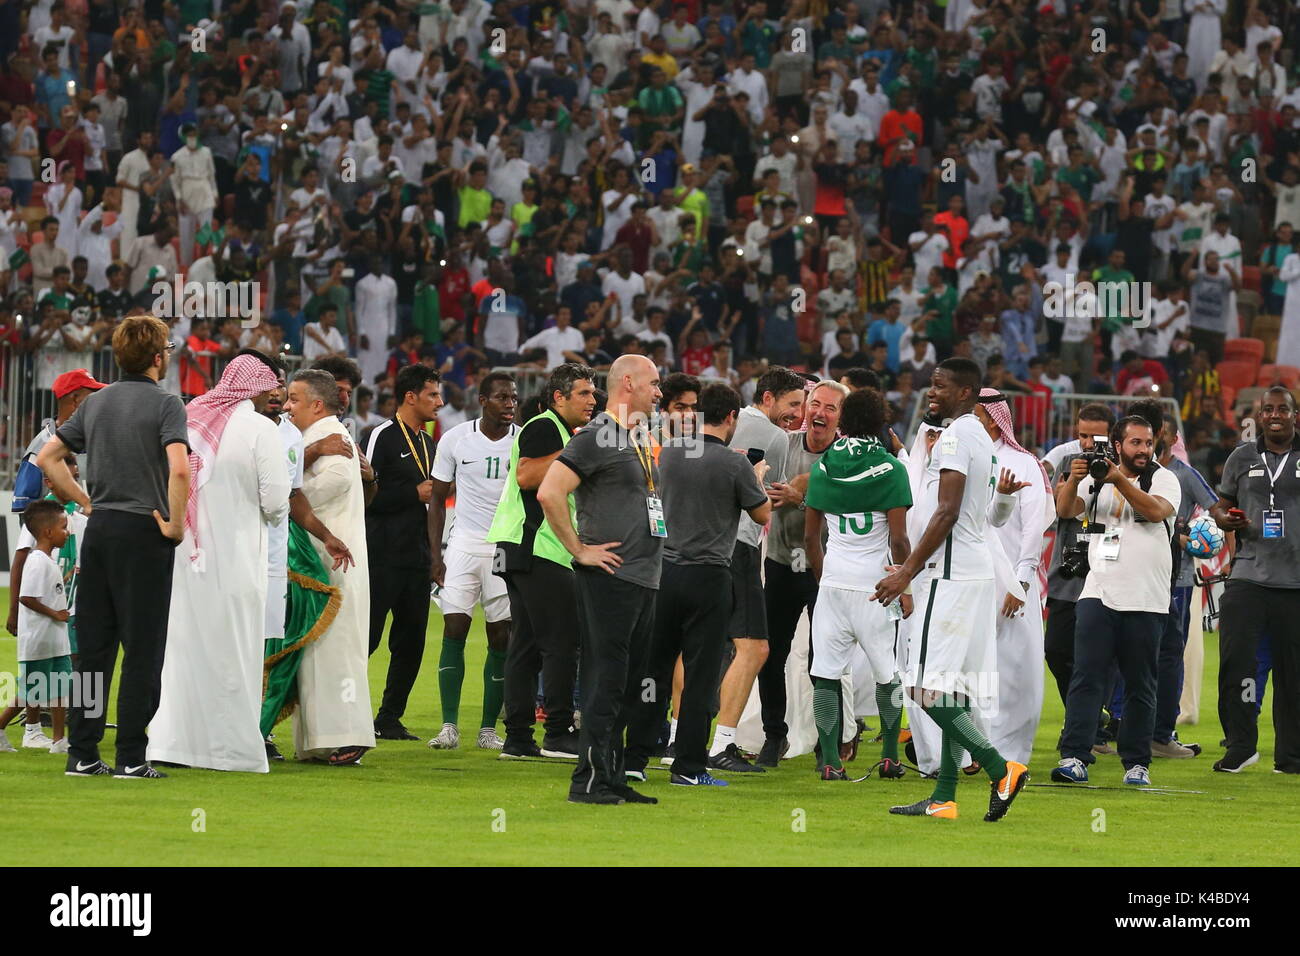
point(706, 487)
point(210, 705)
point(538, 574)
point(791, 586)
point(475, 456)
point(286, 568)
point(958, 593)
point(609, 468)
point(762, 426)
point(1121, 612)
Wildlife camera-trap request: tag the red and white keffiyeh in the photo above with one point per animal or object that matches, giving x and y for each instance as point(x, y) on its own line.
point(1000, 412)
point(208, 416)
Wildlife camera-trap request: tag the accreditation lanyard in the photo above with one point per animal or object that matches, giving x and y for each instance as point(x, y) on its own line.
point(653, 503)
point(423, 465)
point(1274, 475)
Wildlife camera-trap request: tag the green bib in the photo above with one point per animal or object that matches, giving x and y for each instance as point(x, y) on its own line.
point(508, 524)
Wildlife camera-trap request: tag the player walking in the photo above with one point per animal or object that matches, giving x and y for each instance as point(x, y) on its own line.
point(956, 594)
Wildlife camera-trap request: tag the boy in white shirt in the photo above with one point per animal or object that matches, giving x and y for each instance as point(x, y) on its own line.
point(322, 339)
point(44, 652)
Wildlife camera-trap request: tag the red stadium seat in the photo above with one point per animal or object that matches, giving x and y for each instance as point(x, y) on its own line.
point(1244, 350)
point(1267, 375)
point(745, 207)
point(1289, 374)
point(1236, 375)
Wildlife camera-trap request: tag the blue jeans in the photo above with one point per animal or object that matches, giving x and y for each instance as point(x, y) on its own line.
point(1104, 637)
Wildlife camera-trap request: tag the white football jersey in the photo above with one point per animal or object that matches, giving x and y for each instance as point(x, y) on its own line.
point(966, 447)
point(479, 467)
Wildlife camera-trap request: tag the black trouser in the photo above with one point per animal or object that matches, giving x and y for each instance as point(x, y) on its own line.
point(690, 620)
point(1169, 679)
point(1246, 611)
point(124, 594)
point(1102, 637)
point(544, 638)
point(405, 592)
point(616, 620)
point(1058, 643)
point(787, 593)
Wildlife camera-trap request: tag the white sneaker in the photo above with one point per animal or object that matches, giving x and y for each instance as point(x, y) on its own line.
point(36, 740)
point(488, 739)
point(5, 746)
point(448, 738)
point(59, 746)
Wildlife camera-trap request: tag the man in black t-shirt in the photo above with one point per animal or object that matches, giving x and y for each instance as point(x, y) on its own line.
point(538, 576)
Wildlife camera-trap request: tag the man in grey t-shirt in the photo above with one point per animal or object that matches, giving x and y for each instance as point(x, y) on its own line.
point(706, 485)
point(791, 587)
point(609, 468)
point(1259, 499)
point(136, 438)
point(763, 426)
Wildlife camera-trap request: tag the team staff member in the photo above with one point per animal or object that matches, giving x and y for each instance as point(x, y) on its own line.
point(538, 574)
point(136, 440)
point(765, 425)
point(791, 586)
point(401, 454)
point(610, 470)
point(706, 488)
point(475, 455)
point(1262, 479)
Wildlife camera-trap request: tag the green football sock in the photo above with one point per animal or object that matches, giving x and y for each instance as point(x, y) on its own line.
point(451, 674)
point(494, 686)
point(955, 719)
point(826, 715)
point(950, 751)
point(889, 701)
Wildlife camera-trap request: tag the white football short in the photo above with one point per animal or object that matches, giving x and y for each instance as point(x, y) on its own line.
point(845, 618)
point(469, 580)
point(953, 647)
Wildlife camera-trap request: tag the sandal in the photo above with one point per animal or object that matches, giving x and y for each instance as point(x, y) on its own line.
point(346, 756)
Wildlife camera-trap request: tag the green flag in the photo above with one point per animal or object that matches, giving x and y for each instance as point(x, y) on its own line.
point(313, 605)
point(857, 476)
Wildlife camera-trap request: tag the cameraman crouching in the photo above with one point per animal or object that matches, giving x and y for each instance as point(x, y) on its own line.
point(1128, 519)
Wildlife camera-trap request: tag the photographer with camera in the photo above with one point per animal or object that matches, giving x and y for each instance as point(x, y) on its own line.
point(1258, 497)
point(1127, 521)
point(1063, 586)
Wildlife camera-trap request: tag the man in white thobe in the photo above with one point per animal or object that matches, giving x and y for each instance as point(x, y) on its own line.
point(95, 242)
point(333, 722)
point(130, 171)
point(1204, 37)
point(376, 312)
point(194, 181)
point(1288, 347)
point(211, 700)
point(1021, 519)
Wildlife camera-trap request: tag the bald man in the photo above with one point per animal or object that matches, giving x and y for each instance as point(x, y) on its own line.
point(610, 469)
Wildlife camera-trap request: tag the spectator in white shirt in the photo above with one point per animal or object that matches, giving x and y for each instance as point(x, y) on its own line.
point(562, 342)
point(320, 339)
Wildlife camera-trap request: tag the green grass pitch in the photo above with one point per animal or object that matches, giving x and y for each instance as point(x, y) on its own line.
point(409, 805)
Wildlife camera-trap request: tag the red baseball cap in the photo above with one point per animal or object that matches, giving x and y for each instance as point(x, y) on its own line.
point(69, 382)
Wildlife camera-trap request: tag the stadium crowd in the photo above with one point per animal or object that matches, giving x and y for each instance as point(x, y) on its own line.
point(416, 195)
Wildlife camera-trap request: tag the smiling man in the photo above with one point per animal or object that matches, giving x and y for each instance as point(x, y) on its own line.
point(791, 587)
point(1258, 497)
point(953, 581)
point(475, 456)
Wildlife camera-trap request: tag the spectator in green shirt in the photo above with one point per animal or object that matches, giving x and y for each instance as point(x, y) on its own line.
point(692, 199)
point(938, 307)
point(1113, 274)
point(1081, 174)
point(426, 314)
point(475, 200)
point(662, 107)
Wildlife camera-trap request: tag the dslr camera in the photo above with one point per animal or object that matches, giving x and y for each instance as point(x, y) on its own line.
point(1100, 457)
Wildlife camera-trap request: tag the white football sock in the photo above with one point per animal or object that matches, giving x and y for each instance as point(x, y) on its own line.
point(723, 737)
point(672, 731)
